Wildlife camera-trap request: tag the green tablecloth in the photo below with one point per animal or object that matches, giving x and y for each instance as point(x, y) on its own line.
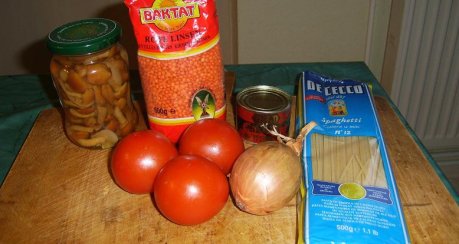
point(22, 97)
point(285, 76)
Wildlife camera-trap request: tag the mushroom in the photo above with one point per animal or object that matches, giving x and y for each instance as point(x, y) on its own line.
point(121, 103)
point(104, 138)
point(64, 60)
point(92, 142)
point(78, 114)
point(55, 67)
point(91, 121)
point(112, 124)
point(120, 117)
point(121, 92)
point(126, 129)
point(107, 93)
point(78, 135)
point(76, 82)
point(100, 100)
point(101, 114)
point(81, 128)
point(88, 97)
point(116, 79)
point(68, 91)
point(73, 120)
point(124, 55)
point(97, 56)
point(73, 104)
point(81, 70)
point(63, 74)
point(98, 73)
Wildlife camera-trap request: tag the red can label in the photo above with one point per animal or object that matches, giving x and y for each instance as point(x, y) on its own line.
point(251, 124)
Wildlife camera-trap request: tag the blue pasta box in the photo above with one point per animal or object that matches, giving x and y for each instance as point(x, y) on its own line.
point(348, 194)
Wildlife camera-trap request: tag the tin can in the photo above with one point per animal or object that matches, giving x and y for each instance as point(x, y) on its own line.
point(259, 107)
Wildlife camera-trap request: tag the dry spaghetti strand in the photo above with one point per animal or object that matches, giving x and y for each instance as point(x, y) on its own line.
point(354, 159)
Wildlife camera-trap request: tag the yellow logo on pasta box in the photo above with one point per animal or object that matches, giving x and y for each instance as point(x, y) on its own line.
point(169, 15)
point(337, 107)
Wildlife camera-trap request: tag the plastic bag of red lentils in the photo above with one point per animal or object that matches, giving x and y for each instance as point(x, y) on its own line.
point(180, 62)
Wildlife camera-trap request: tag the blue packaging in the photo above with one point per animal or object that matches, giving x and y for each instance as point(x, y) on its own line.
point(349, 194)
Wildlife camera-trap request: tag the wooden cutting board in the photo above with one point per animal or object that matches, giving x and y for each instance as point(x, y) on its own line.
point(57, 192)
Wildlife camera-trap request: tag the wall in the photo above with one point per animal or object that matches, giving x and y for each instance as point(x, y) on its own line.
point(256, 31)
point(227, 18)
point(273, 31)
point(313, 31)
point(393, 39)
point(25, 25)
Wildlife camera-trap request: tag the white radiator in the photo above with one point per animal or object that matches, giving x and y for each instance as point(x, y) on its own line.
point(426, 79)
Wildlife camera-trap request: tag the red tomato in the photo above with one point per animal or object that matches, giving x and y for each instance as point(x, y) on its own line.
point(190, 190)
point(137, 159)
point(213, 139)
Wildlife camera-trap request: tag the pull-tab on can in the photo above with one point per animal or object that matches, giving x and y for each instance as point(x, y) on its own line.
point(262, 105)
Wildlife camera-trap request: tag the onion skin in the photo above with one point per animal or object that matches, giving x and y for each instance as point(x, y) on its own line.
point(265, 178)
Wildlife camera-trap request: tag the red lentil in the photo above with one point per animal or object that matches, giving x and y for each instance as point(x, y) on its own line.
point(180, 63)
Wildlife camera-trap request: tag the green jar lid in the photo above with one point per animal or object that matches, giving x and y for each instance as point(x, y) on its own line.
point(84, 36)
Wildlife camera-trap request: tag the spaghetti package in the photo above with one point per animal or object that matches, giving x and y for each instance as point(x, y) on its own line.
point(180, 62)
point(349, 193)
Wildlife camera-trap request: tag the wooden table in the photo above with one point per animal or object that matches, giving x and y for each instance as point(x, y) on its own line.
point(57, 192)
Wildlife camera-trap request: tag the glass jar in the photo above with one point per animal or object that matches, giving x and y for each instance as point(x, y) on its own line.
point(90, 72)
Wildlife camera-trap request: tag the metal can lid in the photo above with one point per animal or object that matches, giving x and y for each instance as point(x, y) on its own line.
point(84, 36)
point(263, 99)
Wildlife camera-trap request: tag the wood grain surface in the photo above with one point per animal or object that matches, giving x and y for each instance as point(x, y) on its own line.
point(57, 192)
point(431, 213)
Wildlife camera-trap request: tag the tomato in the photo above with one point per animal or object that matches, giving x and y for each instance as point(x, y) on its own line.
point(213, 139)
point(137, 159)
point(190, 190)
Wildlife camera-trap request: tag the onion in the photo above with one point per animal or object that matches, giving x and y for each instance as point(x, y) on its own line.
point(267, 176)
